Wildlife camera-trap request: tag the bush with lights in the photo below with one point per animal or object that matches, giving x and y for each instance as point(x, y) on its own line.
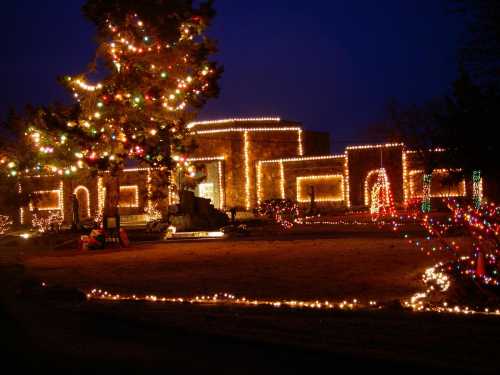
point(477, 274)
point(285, 212)
point(5, 224)
point(47, 224)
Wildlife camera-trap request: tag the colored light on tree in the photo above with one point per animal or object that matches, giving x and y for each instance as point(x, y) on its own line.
point(482, 225)
point(477, 189)
point(159, 75)
point(426, 193)
point(382, 202)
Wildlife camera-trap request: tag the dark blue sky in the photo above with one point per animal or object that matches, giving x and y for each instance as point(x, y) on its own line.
point(331, 64)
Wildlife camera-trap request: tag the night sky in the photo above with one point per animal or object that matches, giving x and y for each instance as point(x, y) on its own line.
point(331, 64)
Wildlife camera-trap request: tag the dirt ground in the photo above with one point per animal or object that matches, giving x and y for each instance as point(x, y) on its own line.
point(67, 336)
point(378, 269)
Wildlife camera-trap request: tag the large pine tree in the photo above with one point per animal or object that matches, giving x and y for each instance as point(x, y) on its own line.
point(158, 73)
point(153, 58)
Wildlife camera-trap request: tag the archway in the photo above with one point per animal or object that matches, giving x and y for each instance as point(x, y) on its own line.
point(83, 196)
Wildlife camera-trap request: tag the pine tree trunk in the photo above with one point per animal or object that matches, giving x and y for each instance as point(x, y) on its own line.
point(111, 209)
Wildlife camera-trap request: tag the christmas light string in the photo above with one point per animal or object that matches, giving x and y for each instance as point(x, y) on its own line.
point(436, 281)
point(230, 299)
point(483, 224)
point(178, 82)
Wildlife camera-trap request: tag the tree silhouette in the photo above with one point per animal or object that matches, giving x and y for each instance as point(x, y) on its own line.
point(481, 53)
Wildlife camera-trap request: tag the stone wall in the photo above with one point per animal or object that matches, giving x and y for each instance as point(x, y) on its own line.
point(281, 177)
point(364, 160)
point(441, 186)
point(139, 179)
point(241, 158)
point(89, 184)
point(229, 146)
point(316, 143)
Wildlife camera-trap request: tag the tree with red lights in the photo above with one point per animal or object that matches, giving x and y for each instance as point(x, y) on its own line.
point(382, 201)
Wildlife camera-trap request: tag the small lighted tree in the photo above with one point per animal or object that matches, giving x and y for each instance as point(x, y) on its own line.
point(5, 224)
point(426, 192)
point(382, 201)
point(477, 189)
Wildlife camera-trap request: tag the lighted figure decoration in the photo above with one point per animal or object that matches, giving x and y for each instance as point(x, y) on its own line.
point(477, 189)
point(40, 223)
point(382, 201)
point(51, 223)
point(426, 193)
point(56, 220)
point(98, 218)
point(5, 224)
point(152, 213)
point(283, 211)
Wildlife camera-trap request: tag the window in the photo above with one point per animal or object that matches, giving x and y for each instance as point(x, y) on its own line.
point(206, 190)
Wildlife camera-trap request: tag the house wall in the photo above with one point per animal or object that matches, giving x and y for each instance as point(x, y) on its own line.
point(363, 160)
point(242, 145)
point(43, 185)
point(441, 187)
point(279, 178)
point(316, 143)
point(252, 160)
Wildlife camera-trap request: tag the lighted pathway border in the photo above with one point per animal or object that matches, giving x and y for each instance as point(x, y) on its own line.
point(435, 279)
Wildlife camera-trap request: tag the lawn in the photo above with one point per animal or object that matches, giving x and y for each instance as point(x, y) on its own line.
point(123, 337)
point(379, 269)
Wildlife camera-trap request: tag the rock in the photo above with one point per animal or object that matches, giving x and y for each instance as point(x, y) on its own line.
point(34, 289)
point(394, 305)
point(10, 271)
point(63, 294)
point(30, 288)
